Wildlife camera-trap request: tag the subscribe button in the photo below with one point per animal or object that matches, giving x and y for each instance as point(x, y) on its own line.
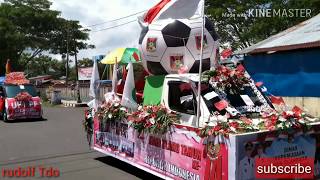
point(285, 168)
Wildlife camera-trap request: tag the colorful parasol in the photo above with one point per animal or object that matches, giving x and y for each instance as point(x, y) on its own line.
point(122, 55)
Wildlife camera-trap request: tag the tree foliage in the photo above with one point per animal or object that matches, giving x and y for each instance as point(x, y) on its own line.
point(29, 28)
point(242, 31)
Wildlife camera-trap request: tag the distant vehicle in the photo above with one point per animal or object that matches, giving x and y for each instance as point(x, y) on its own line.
point(19, 102)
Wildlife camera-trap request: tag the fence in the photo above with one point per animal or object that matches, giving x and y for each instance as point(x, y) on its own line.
point(70, 93)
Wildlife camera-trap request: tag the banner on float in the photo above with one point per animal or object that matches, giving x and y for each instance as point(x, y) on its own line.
point(177, 155)
point(23, 109)
point(276, 145)
point(85, 73)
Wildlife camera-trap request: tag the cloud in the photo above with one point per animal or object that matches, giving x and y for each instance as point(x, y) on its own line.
point(90, 12)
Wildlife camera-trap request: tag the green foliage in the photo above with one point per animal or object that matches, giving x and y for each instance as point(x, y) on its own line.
point(242, 32)
point(85, 62)
point(29, 28)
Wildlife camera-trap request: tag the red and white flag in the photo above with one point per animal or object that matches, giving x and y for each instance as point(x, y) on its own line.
point(277, 100)
point(221, 105)
point(173, 9)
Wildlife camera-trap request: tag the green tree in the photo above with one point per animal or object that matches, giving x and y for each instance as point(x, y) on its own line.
point(43, 65)
point(242, 32)
point(85, 62)
point(30, 27)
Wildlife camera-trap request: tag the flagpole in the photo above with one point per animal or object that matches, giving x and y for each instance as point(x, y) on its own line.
point(200, 65)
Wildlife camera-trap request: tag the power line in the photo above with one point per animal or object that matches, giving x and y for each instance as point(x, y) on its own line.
point(115, 19)
point(115, 26)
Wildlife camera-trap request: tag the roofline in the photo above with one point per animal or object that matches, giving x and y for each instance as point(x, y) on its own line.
point(314, 44)
point(252, 50)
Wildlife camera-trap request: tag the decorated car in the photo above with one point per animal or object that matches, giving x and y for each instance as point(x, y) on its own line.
point(19, 99)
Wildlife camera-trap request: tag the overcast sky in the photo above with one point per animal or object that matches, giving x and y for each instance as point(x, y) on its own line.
point(90, 12)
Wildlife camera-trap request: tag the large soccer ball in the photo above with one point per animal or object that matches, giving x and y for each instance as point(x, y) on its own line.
point(169, 45)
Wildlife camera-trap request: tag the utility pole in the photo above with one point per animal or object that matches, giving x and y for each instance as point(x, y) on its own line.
point(77, 75)
point(67, 65)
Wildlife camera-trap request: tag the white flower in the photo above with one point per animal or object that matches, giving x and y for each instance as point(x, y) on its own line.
point(256, 127)
point(280, 126)
point(288, 124)
point(212, 123)
point(139, 108)
point(123, 109)
point(222, 118)
point(302, 121)
point(213, 118)
point(152, 120)
point(256, 122)
point(110, 116)
point(291, 113)
point(282, 119)
point(116, 104)
point(233, 129)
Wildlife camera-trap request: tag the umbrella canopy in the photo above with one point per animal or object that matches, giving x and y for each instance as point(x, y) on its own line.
point(122, 55)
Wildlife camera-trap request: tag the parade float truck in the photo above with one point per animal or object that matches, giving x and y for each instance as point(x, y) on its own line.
point(238, 124)
point(19, 99)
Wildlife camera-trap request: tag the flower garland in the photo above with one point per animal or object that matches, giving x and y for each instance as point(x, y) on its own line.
point(154, 119)
point(23, 96)
point(294, 119)
point(230, 126)
point(16, 78)
point(111, 111)
point(227, 79)
point(290, 119)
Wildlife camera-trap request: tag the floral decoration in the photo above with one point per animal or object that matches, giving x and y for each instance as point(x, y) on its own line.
point(226, 78)
point(295, 119)
point(285, 120)
point(230, 126)
point(23, 96)
point(154, 119)
point(112, 111)
point(16, 78)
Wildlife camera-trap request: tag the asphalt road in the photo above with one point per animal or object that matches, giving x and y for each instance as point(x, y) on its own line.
point(58, 142)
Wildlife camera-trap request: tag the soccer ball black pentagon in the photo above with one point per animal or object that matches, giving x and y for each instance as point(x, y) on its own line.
point(169, 45)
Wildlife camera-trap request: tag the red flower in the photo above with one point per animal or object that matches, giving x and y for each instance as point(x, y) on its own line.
point(23, 96)
point(246, 120)
point(234, 124)
point(297, 111)
point(217, 128)
point(274, 118)
point(269, 124)
point(17, 78)
point(147, 124)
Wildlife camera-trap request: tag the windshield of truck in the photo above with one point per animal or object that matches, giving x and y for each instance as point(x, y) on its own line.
point(13, 90)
